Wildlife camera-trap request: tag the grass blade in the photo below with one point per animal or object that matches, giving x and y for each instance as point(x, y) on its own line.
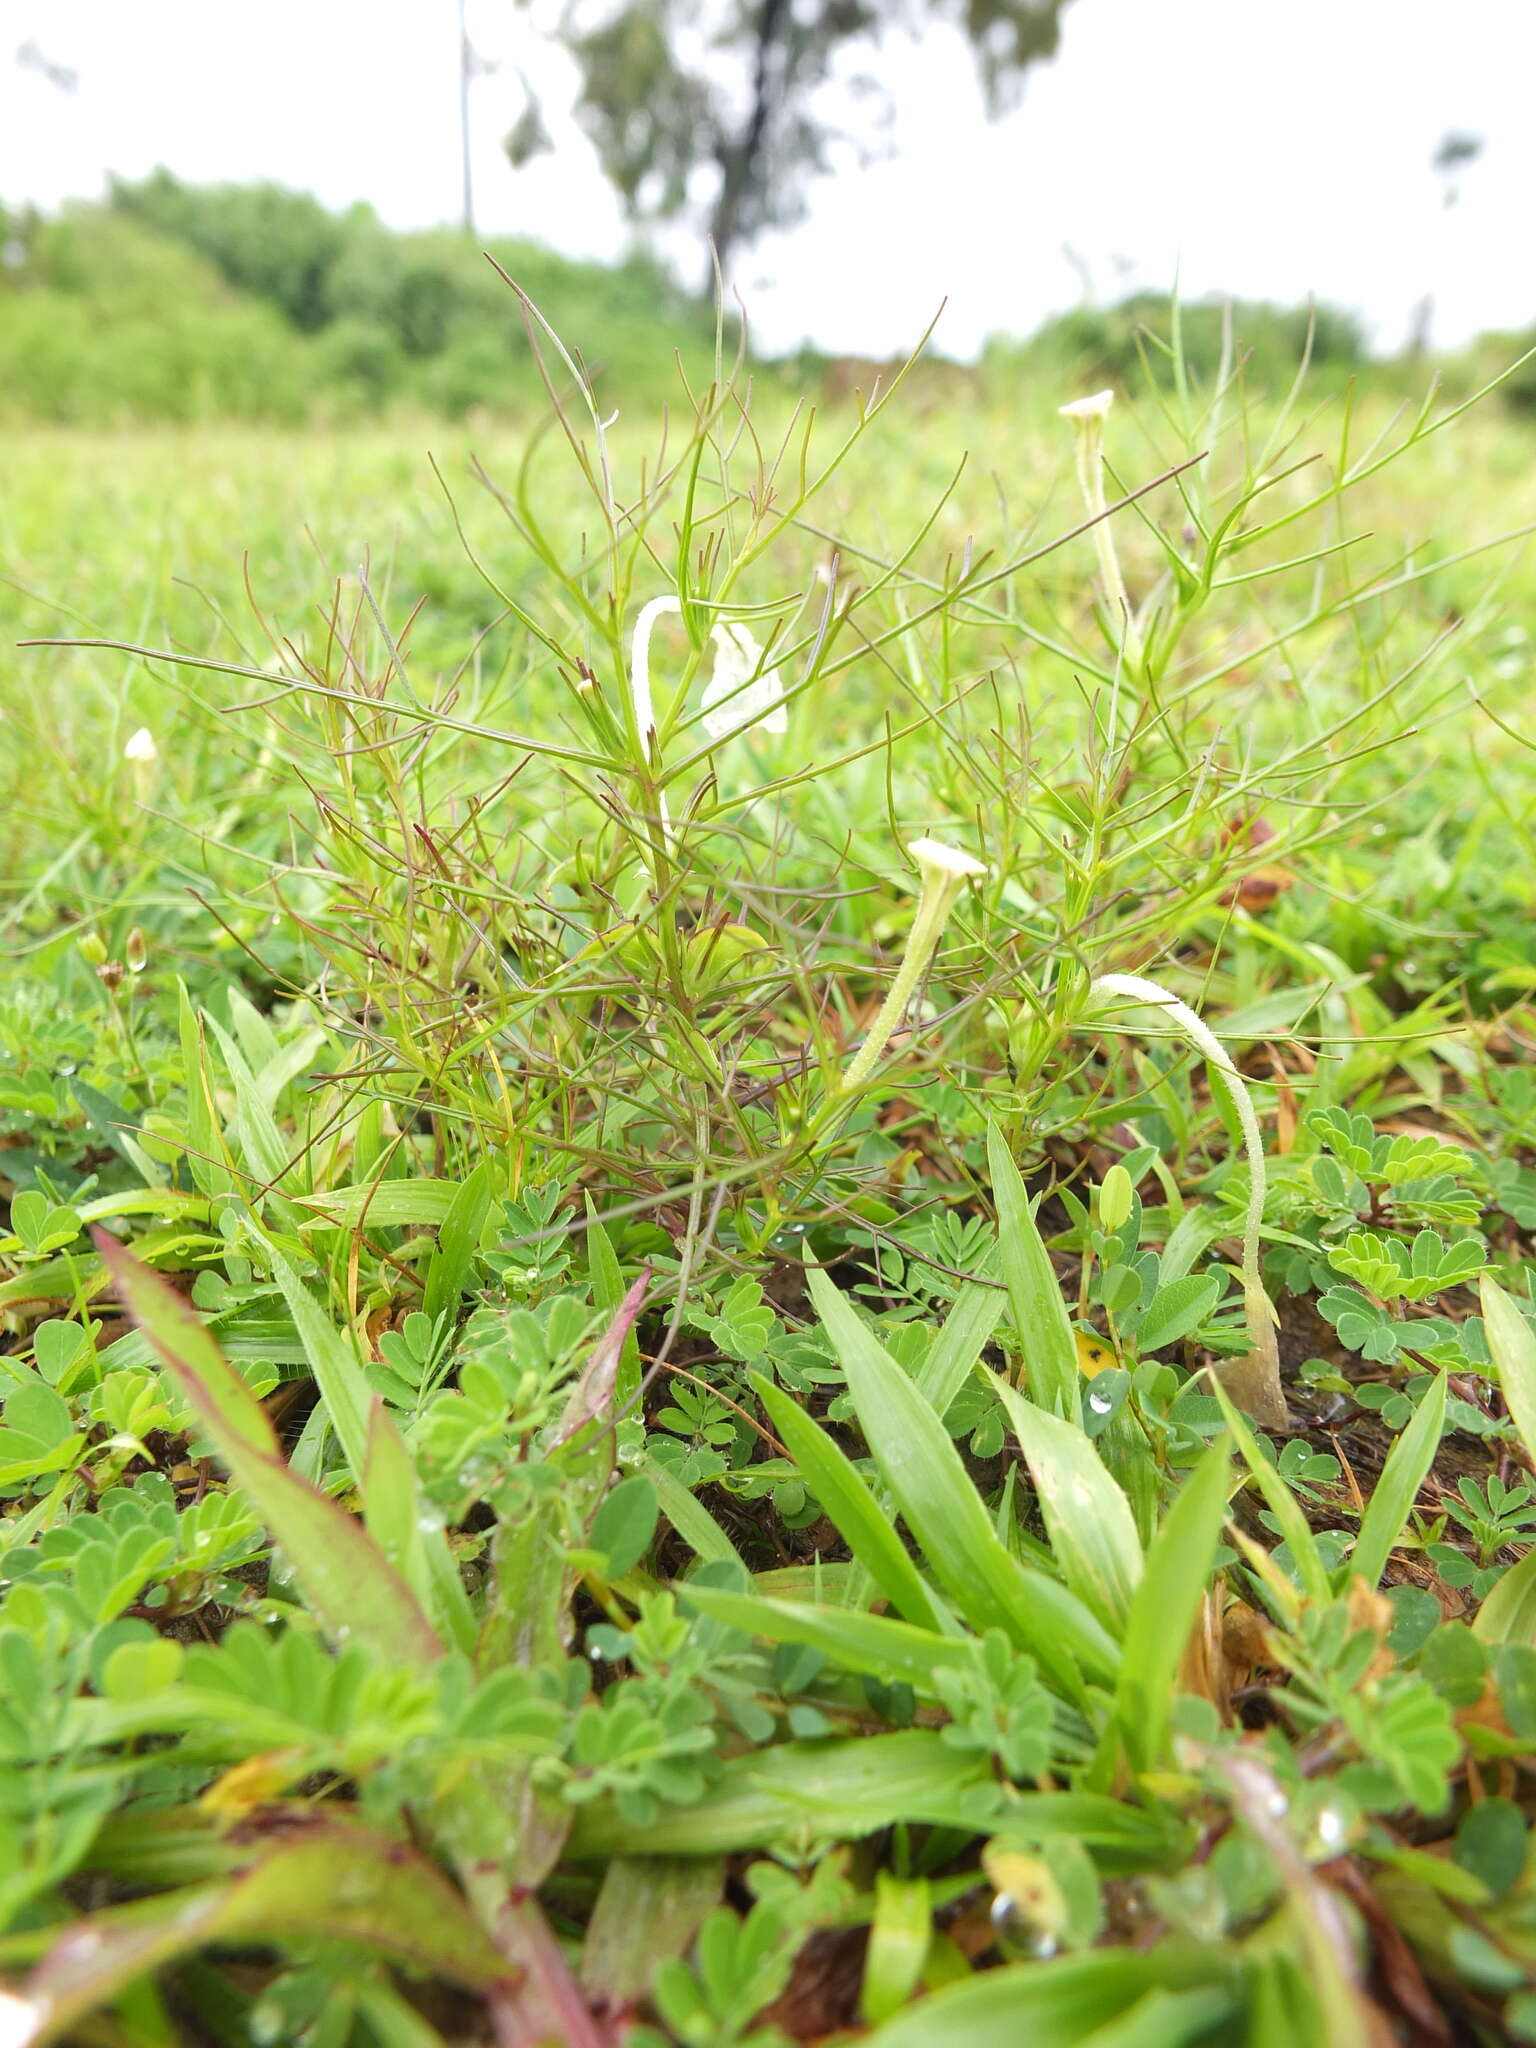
point(337, 1369)
point(967, 1330)
point(1062, 2003)
point(1178, 1565)
point(1087, 1516)
point(849, 1787)
point(1278, 1498)
point(353, 1589)
point(1397, 1489)
point(458, 1240)
point(943, 1510)
point(331, 1881)
point(867, 1643)
point(850, 1505)
point(1034, 1295)
point(1512, 1343)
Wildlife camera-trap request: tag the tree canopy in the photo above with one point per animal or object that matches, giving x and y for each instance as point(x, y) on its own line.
point(720, 109)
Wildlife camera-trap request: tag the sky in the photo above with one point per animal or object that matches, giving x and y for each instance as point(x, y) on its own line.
point(1239, 146)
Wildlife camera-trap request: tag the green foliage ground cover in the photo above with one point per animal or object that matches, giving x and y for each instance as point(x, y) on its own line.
point(560, 1485)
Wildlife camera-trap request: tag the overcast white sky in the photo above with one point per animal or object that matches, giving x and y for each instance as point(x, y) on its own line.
point(1267, 147)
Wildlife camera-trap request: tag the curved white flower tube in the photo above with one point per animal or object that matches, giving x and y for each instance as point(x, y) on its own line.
point(1258, 1375)
point(945, 871)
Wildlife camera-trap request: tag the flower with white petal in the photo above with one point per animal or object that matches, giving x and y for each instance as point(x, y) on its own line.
point(141, 746)
point(945, 871)
point(944, 863)
point(1093, 408)
point(1087, 416)
point(640, 663)
point(741, 695)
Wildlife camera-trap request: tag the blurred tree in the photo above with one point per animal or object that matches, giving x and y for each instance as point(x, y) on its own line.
point(718, 105)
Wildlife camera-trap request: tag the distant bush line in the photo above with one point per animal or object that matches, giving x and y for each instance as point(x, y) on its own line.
point(181, 303)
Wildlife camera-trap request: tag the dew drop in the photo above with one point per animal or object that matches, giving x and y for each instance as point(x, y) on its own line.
point(1332, 1831)
point(1101, 1403)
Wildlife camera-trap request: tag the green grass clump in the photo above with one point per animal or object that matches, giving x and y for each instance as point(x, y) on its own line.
point(648, 1395)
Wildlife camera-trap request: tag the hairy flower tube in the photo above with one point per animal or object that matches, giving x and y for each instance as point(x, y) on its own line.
point(1087, 416)
point(945, 871)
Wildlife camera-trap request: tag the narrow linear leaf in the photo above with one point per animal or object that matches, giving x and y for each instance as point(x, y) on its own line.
point(648, 1908)
point(351, 1586)
point(1397, 1489)
point(1508, 1615)
point(900, 1935)
point(1512, 1345)
point(859, 1642)
point(337, 1369)
point(850, 1505)
point(1034, 1295)
point(1278, 1498)
point(386, 1204)
point(332, 1881)
point(458, 1241)
point(693, 1522)
point(1062, 2003)
point(966, 1333)
point(943, 1510)
point(1087, 1516)
point(848, 1787)
point(1178, 1567)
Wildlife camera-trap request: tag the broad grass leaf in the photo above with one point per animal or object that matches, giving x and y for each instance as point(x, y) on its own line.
point(337, 1369)
point(1034, 1294)
point(1067, 2002)
point(852, 1508)
point(385, 1204)
point(625, 1523)
point(353, 1589)
point(900, 1935)
point(206, 1156)
point(1397, 1489)
point(692, 1521)
point(417, 1548)
point(1087, 1516)
point(331, 1882)
point(648, 1907)
point(843, 1788)
point(967, 1330)
point(1512, 1345)
point(1295, 1529)
point(458, 1241)
point(947, 1516)
point(868, 1643)
point(1508, 1615)
point(1178, 1566)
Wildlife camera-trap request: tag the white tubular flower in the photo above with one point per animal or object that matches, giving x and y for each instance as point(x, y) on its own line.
point(1255, 1380)
point(741, 695)
point(1093, 408)
point(1087, 416)
point(141, 746)
point(944, 863)
point(640, 664)
point(945, 871)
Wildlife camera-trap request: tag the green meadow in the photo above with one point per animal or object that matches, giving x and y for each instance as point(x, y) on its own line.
point(804, 1313)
